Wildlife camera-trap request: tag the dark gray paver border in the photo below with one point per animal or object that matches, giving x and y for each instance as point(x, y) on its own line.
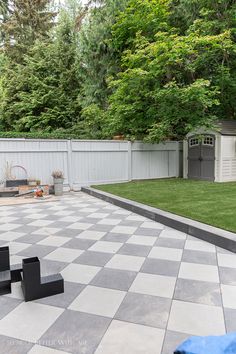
point(214, 235)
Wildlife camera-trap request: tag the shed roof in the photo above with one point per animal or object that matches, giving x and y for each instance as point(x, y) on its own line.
point(227, 127)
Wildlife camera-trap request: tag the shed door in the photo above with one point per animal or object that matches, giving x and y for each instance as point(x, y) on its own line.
point(201, 157)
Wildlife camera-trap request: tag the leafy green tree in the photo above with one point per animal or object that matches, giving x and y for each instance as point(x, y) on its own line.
point(143, 17)
point(149, 69)
point(166, 89)
point(178, 79)
point(211, 16)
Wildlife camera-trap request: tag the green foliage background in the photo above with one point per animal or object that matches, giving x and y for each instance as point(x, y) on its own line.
point(145, 69)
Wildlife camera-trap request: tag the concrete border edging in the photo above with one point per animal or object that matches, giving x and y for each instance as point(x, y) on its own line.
point(214, 235)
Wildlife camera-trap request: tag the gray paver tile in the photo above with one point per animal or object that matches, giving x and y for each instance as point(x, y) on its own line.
point(144, 309)
point(147, 232)
point(114, 237)
point(83, 332)
point(7, 305)
point(68, 233)
point(103, 228)
point(172, 341)
point(135, 250)
point(227, 276)
point(199, 257)
point(99, 259)
point(198, 291)
point(30, 238)
point(230, 320)
point(170, 242)
point(14, 346)
point(114, 279)
point(161, 267)
point(51, 267)
point(27, 229)
point(80, 244)
point(36, 251)
point(130, 223)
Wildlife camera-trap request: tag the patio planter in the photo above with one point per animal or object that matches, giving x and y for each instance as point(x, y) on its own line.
point(16, 182)
point(58, 186)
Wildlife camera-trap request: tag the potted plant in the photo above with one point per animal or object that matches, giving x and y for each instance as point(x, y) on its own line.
point(58, 179)
point(32, 182)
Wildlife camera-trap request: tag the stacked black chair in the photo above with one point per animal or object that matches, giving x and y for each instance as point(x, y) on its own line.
point(5, 274)
point(33, 285)
point(16, 271)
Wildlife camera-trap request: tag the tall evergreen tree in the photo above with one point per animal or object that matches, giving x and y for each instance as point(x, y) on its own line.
point(41, 93)
point(27, 21)
point(98, 57)
point(99, 60)
point(4, 14)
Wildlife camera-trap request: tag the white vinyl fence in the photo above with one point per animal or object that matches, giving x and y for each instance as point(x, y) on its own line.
point(87, 162)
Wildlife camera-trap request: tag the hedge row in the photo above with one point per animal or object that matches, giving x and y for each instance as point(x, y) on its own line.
point(39, 135)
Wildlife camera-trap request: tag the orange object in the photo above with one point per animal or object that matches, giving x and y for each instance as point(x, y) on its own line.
point(39, 192)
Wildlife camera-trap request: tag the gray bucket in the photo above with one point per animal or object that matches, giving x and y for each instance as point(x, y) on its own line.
point(58, 186)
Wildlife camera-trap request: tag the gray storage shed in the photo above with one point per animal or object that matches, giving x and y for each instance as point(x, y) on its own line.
point(211, 154)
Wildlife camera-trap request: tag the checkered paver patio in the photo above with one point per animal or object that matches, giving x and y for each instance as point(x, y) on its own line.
point(131, 285)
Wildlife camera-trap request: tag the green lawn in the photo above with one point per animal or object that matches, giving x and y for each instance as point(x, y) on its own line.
point(211, 203)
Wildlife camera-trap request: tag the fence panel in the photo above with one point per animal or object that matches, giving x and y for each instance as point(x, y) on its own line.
point(87, 162)
point(155, 160)
point(39, 158)
point(99, 162)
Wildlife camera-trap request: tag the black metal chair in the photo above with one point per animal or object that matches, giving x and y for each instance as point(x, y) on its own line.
point(36, 287)
point(5, 274)
point(33, 285)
